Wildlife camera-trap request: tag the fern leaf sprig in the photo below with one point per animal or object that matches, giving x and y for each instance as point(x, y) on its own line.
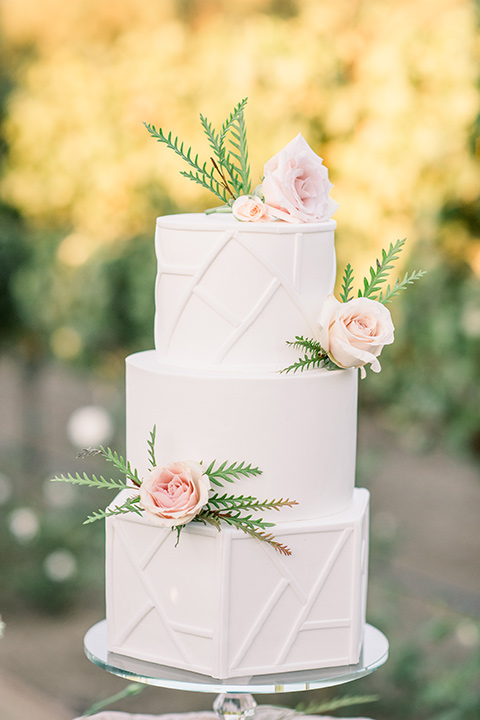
point(151, 447)
point(378, 274)
point(91, 481)
point(118, 462)
point(247, 502)
point(224, 182)
point(237, 111)
point(130, 505)
point(254, 528)
point(307, 344)
point(216, 141)
point(309, 362)
point(230, 473)
point(398, 285)
point(347, 283)
point(314, 355)
point(199, 173)
point(177, 146)
point(315, 708)
point(207, 181)
point(239, 133)
point(237, 115)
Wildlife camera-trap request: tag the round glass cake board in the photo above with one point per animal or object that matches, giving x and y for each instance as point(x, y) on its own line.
point(235, 699)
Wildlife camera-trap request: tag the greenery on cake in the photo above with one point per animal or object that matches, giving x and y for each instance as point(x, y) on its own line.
point(353, 332)
point(228, 177)
point(181, 492)
point(294, 188)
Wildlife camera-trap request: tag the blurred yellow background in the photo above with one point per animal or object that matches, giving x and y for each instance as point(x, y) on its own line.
point(385, 92)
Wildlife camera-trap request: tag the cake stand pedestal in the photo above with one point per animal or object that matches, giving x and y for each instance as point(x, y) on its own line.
point(235, 695)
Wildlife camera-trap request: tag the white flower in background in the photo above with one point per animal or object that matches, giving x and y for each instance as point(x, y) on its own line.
point(2, 627)
point(24, 524)
point(90, 426)
point(60, 565)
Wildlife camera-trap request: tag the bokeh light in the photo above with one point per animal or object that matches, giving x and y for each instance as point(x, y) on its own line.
point(60, 565)
point(89, 426)
point(24, 524)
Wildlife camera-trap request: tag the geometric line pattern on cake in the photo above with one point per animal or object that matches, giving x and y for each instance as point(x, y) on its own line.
point(199, 273)
point(297, 259)
point(301, 622)
point(239, 325)
point(174, 269)
point(152, 603)
point(306, 602)
point(248, 320)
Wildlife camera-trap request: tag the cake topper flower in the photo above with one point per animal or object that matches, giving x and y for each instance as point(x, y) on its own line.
point(181, 492)
point(353, 332)
point(295, 186)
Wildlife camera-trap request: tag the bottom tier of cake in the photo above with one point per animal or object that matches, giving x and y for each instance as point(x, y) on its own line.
point(227, 605)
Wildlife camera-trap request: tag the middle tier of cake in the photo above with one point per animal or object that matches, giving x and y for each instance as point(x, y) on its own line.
point(300, 430)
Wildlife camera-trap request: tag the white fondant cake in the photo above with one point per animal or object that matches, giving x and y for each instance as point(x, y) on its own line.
point(224, 604)
point(228, 297)
point(229, 294)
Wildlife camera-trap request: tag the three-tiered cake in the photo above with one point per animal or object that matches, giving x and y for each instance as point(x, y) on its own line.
point(228, 296)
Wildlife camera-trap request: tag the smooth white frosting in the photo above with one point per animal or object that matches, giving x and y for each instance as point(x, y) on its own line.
point(300, 430)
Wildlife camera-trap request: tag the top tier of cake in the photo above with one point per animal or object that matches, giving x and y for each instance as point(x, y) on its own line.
point(230, 294)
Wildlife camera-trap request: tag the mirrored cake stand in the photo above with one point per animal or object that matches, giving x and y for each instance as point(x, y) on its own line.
point(235, 695)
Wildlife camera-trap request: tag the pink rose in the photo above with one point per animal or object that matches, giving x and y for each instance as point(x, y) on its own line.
point(296, 185)
point(354, 333)
point(174, 494)
point(250, 208)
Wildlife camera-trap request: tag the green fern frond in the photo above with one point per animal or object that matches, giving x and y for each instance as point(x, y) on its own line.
point(328, 706)
point(177, 146)
point(151, 447)
point(307, 344)
point(121, 465)
point(347, 284)
point(216, 142)
point(379, 273)
point(254, 528)
point(239, 133)
point(207, 181)
point(306, 363)
point(230, 473)
point(389, 293)
point(233, 117)
point(232, 167)
point(129, 506)
point(93, 481)
point(247, 502)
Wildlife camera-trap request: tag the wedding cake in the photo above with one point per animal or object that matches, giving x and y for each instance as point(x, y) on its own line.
point(238, 544)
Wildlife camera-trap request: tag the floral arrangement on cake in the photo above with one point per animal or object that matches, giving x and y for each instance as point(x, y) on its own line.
point(295, 186)
point(353, 332)
point(173, 495)
point(296, 189)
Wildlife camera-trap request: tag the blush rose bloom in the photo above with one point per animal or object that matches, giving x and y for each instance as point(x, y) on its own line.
point(174, 494)
point(354, 333)
point(296, 187)
point(250, 208)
